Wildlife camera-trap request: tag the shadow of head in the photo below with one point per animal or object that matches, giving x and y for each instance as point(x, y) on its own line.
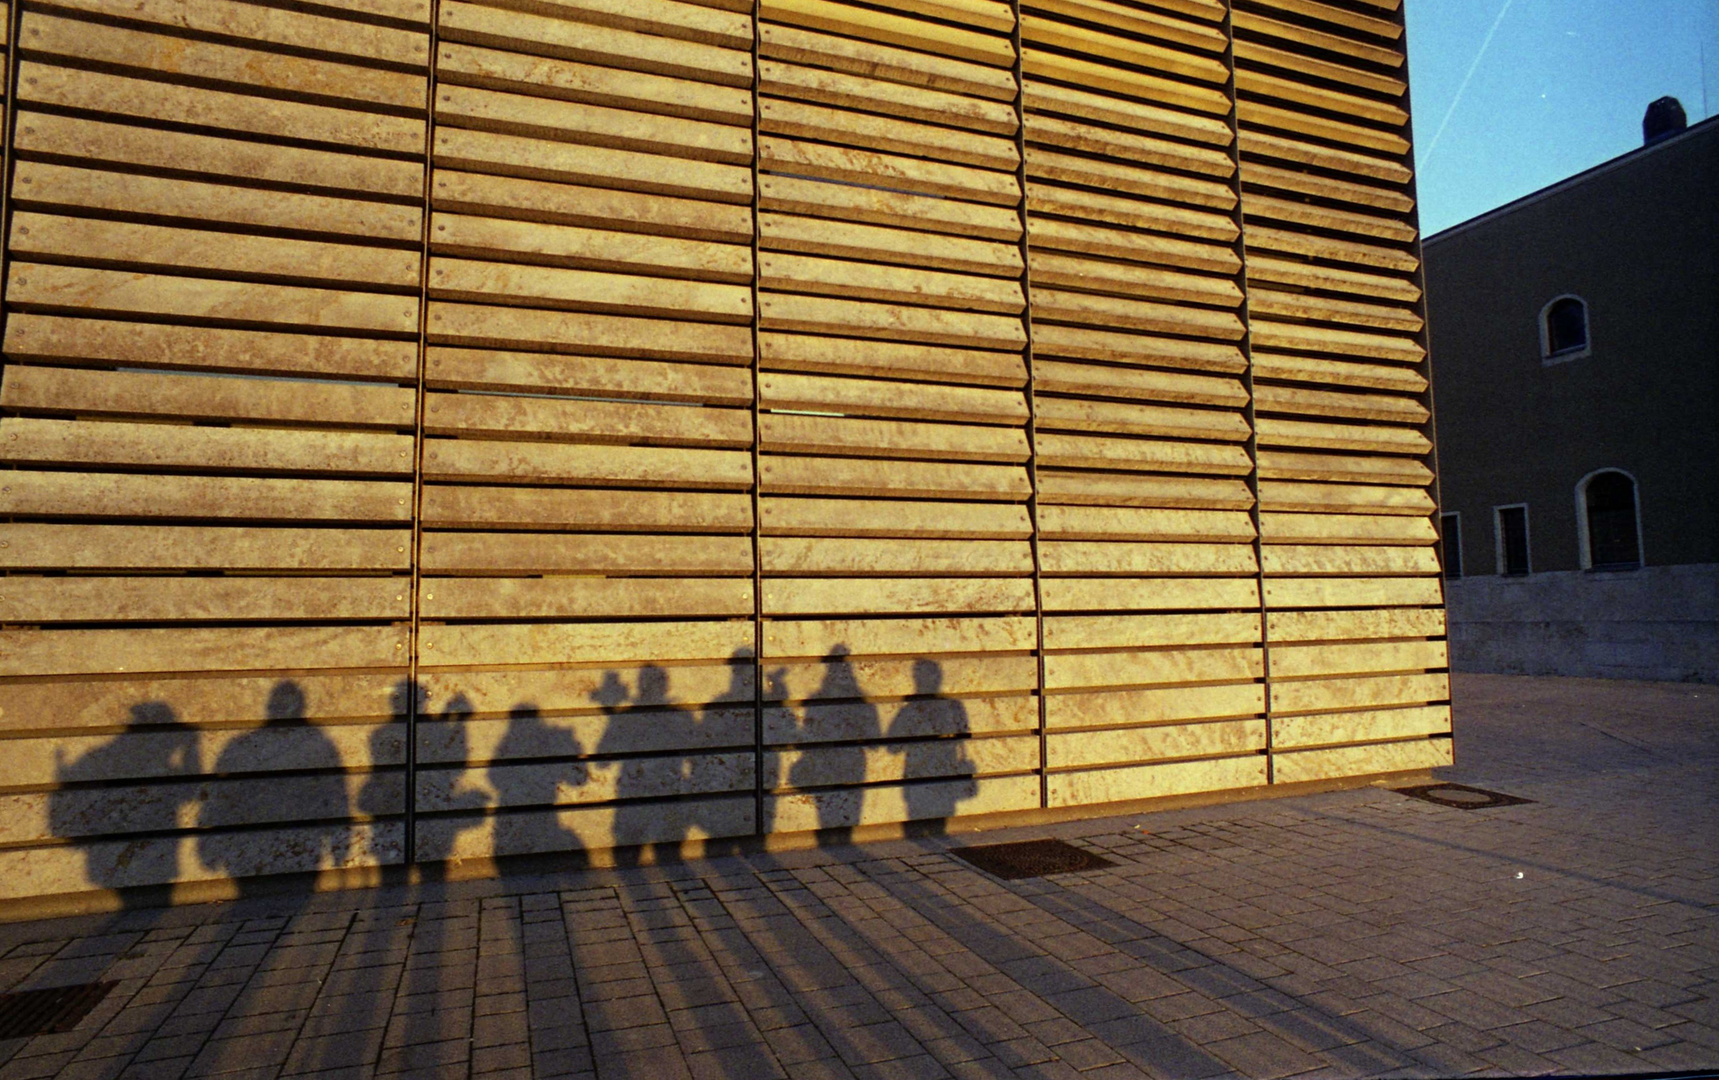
point(927, 676)
point(286, 703)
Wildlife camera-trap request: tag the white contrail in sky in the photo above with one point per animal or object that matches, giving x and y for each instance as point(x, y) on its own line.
point(1460, 90)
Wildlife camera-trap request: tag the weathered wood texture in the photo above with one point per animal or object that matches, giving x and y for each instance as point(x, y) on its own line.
point(701, 424)
point(1154, 667)
point(207, 434)
point(586, 636)
point(1352, 592)
point(895, 542)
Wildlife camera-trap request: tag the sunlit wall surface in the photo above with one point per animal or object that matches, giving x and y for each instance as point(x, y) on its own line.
point(446, 431)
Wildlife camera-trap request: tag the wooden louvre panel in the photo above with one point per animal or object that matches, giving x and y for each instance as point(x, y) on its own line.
point(815, 420)
point(1153, 665)
point(206, 423)
point(899, 676)
point(587, 637)
point(1352, 592)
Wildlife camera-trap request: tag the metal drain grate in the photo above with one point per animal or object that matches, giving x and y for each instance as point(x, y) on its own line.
point(50, 1011)
point(1460, 796)
point(1030, 858)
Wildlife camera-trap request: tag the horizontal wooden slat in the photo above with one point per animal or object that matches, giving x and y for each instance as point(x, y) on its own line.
point(796, 352)
point(862, 596)
point(200, 599)
point(1148, 667)
point(903, 171)
point(880, 397)
point(817, 236)
point(1149, 781)
point(1354, 625)
point(841, 676)
point(902, 479)
point(1124, 112)
point(483, 326)
point(889, 438)
point(1113, 708)
point(619, 46)
point(211, 156)
point(846, 127)
point(909, 636)
point(545, 244)
point(891, 322)
point(161, 446)
point(1059, 487)
point(1143, 631)
point(844, 808)
point(91, 652)
point(496, 370)
point(1375, 656)
point(911, 66)
point(498, 552)
point(1067, 414)
point(1327, 729)
point(93, 291)
point(896, 285)
point(546, 200)
point(891, 29)
point(590, 643)
point(541, 462)
point(1151, 455)
point(836, 199)
point(1122, 748)
point(159, 547)
point(643, 424)
point(1149, 594)
point(472, 150)
point(1119, 523)
point(571, 597)
point(857, 518)
point(882, 96)
point(592, 84)
point(592, 125)
point(1067, 557)
point(103, 343)
point(883, 558)
point(1351, 592)
point(1091, 73)
point(200, 397)
point(1349, 528)
point(1409, 755)
point(559, 509)
point(43, 185)
point(1291, 696)
point(189, 58)
point(99, 92)
point(274, 26)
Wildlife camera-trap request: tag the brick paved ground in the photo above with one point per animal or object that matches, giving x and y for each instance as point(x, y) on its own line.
point(1352, 934)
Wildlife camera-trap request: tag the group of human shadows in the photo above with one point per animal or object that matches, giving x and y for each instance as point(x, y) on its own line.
point(928, 729)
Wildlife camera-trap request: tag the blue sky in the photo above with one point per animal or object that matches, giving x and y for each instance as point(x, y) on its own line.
point(1560, 87)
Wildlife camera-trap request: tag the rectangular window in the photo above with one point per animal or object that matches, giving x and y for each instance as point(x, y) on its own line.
point(1450, 544)
point(1511, 524)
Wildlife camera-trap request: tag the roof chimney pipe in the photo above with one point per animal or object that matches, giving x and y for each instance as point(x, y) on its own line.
point(1664, 119)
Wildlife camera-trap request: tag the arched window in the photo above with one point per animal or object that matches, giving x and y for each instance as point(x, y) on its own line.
point(1564, 329)
point(1609, 515)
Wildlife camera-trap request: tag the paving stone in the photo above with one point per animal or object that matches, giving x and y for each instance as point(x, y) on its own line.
point(1345, 935)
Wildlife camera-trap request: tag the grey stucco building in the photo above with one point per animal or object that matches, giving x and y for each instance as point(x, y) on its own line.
point(1575, 345)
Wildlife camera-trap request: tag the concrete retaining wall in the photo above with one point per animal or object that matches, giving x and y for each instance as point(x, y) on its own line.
point(1660, 622)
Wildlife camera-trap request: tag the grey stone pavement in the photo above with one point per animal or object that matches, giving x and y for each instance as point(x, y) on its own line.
point(1348, 934)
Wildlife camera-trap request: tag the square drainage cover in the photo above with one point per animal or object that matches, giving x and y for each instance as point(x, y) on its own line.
point(1460, 796)
point(1030, 858)
point(48, 1012)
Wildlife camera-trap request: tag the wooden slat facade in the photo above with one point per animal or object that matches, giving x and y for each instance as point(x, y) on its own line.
point(437, 429)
